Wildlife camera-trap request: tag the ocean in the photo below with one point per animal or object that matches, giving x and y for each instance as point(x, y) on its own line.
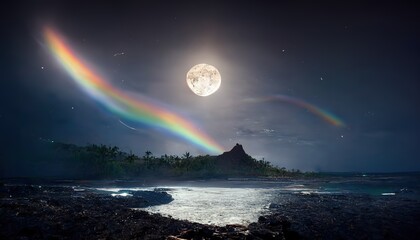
point(358, 204)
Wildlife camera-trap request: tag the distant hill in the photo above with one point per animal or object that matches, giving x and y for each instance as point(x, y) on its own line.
point(238, 162)
point(235, 156)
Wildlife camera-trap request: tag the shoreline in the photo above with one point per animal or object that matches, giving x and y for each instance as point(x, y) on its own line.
point(63, 212)
point(64, 208)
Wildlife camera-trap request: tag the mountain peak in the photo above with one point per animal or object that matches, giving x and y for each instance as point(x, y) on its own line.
point(237, 153)
point(238, 149)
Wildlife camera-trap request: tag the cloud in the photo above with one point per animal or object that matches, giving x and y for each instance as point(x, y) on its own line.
point(274, 135)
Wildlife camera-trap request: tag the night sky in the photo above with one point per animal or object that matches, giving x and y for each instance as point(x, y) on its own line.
point(359, 62)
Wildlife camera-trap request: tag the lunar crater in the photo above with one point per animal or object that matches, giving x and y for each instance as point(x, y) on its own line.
point(203, 79)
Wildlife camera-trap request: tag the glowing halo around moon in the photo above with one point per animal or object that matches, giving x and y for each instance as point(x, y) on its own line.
point(203, 79)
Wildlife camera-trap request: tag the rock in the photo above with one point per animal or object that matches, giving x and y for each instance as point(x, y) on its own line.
point(266, 234)
point(153, 197)
point(197, 233)
point(174, 238)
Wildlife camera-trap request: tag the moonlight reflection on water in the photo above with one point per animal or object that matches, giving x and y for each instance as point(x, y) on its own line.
point(219, 206)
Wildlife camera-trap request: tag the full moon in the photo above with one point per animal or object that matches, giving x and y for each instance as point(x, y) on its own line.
point(203, 79)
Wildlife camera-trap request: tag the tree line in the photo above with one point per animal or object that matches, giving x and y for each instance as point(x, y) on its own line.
point(101, 161)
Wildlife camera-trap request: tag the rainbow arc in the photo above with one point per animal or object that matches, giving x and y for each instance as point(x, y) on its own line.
point(132, 108)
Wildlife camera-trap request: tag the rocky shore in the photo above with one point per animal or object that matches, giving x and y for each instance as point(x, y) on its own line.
point(65, 212)
point(351, 216)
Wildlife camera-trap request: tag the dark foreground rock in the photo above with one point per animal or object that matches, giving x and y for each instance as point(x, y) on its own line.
point(57, 212)
point(351, 216)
